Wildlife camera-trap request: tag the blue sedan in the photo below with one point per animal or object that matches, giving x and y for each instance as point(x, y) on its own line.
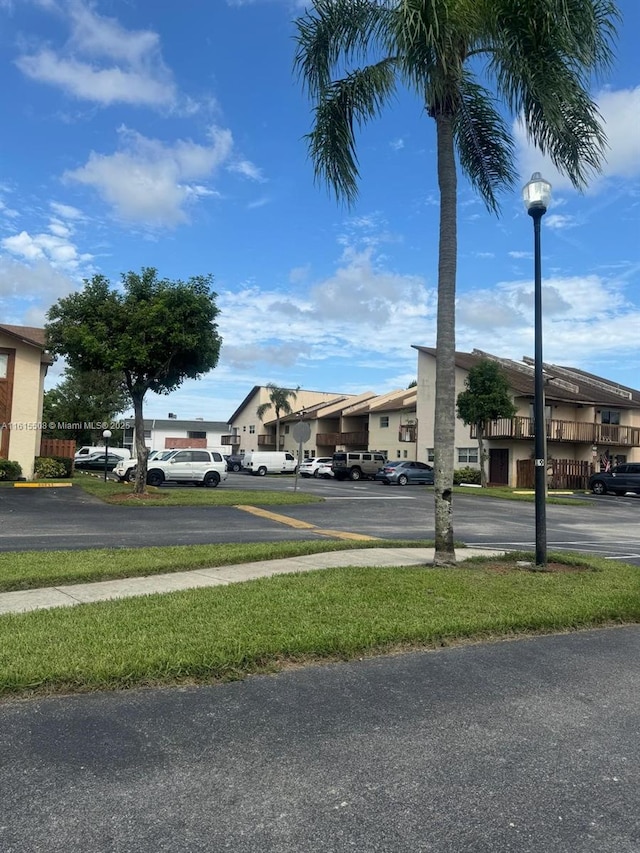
point(403, 471)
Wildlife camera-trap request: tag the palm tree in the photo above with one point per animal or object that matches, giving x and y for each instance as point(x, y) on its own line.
point(538, 58)
point(279, 401)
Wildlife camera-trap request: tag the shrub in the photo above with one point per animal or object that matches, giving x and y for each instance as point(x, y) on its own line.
point(10, 470)
point(65, 461)
point(48, 468)
point(466, 475)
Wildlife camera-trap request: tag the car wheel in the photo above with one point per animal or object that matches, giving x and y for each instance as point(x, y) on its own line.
point(355, 474)
point(235, 467)
point(315, 474)
point(211, 479)
point(130, 475)
point(155, 478)
point(262, 471)
point(403, 480)
point(598, 488)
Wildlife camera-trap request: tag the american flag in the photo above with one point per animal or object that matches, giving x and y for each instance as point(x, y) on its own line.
point(605, 462)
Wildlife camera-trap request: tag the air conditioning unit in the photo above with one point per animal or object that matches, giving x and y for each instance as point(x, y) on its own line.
point(410, 422)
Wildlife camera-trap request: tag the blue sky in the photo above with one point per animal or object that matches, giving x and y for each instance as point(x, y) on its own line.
point(156, 134)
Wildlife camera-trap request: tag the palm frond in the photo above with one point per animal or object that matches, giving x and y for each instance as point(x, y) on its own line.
point(484, 142)
point(334, 31)
point(346, 104)
point(543, 62)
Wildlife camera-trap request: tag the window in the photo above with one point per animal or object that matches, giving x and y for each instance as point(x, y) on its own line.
point(200, 456)
point(610, 416)
point(384, 421)
point(147, 434)
point(468, 454)
point(252, 429)
point(286, 429)
point(405, 453)
point(399, 454)
point(430, 454)
point(244, 429)
point(196, 434)
point(4, 365)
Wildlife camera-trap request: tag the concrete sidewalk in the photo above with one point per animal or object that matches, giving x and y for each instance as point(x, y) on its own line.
point(68, 596)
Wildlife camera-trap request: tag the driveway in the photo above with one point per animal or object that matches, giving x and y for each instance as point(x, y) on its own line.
point(528, 746)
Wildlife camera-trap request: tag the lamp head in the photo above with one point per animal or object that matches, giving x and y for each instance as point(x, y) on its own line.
point(106, 434)
point(536, 194)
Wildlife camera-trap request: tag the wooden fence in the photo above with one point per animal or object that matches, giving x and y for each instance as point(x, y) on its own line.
point(57, 447)
point(566, 474)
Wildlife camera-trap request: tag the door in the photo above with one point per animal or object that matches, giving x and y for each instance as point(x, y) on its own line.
point(181, 466)
point(499, 467)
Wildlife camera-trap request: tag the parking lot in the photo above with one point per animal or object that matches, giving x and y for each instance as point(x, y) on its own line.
point(52, 519)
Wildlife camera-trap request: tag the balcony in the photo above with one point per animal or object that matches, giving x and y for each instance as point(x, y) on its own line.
point(359, 440)
point(269, 441)
point(230, 440)
point(407, 432)
point(567, 431)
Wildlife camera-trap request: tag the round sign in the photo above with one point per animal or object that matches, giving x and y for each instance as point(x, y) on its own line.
point(301, 431)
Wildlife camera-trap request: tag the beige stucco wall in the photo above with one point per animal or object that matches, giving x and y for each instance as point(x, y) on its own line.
point(248, 420)
point(386, 440)
point(26, 405)
point(426, 410)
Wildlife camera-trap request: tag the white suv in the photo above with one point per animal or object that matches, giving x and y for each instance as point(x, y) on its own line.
point(309, 467)
point(125, 470)
point(202, 467)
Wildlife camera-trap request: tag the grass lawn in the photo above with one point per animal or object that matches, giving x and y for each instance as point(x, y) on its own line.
point(113, 492)
point(506, 493)
point(33, 569)
point(225, 633)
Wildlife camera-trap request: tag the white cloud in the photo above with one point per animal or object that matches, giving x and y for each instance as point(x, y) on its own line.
point(397, 144)
point(104, 63)
point(521, 255)
point(576, 312)
point(558, 221)
point(53, 247)
point(151, 182)
point(247, 169)
point(620, 110)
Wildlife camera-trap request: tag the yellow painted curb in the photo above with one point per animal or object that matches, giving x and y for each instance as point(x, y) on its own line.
point(344, 534)
point(274, 516)
point(41, 485)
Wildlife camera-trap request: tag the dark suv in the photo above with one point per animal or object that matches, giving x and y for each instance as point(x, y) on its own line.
point(617, 481)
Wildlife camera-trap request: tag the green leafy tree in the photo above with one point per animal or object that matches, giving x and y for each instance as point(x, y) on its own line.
point(465, 60)
point(154, 332)
point(487, 398)
point(279, 402)
point(82, 398)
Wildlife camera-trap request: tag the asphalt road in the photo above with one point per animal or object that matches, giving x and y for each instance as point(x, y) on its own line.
point(44, 519)
point(525, 746)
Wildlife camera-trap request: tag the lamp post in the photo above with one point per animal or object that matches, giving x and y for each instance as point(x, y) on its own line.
point(106, 435)
point(537, 195)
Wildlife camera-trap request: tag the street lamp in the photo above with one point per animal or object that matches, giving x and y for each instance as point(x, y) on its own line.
point(537, 195)
point(106, 435)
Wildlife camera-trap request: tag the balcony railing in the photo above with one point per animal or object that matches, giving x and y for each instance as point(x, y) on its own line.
point(230, 439)
point(407, 432)
point(269, 441)
point(568, 431)
point(351, 439)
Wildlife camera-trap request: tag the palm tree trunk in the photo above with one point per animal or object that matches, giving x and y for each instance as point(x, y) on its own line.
point(445, 400)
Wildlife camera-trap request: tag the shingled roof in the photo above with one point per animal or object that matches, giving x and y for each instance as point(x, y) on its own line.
point(562, 384)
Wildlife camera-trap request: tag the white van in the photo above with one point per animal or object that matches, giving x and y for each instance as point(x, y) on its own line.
point(269, 462)
point(83, 452)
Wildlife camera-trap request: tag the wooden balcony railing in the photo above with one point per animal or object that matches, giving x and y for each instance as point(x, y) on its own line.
point(270, 441)
point(568, 431)
point(350, 439)
point(230, 439)
point(407, 432)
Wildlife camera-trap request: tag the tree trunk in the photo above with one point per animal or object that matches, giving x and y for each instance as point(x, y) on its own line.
point(483, 467)
point(445, 400)
point(141, 451)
